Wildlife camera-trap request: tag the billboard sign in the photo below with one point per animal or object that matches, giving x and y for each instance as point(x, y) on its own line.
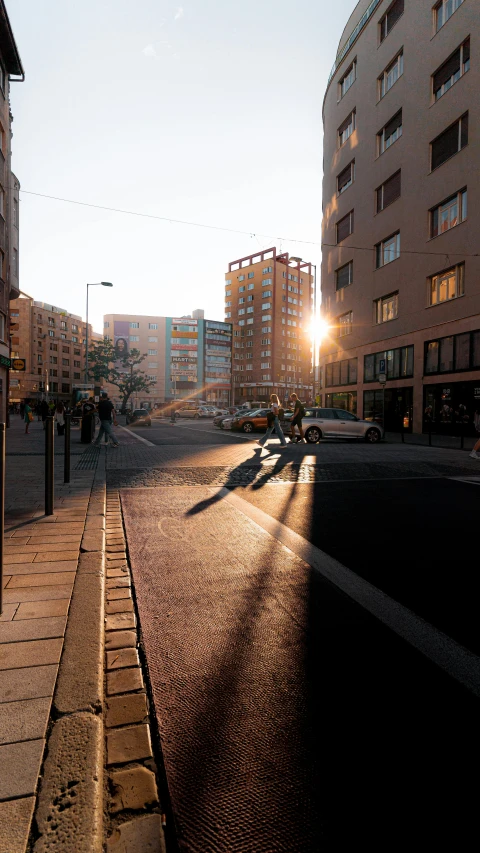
point(184, 359)
point(121, 338)
point(185, 346)
point(19, 364)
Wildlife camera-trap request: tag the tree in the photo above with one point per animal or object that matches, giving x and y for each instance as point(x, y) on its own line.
point(104, 364)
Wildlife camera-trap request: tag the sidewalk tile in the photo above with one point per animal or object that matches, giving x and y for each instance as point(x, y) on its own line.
point(55, 541)
point(40, 568)
point(24, 720)
point(128, 744)
point(119, 658)
point(118, 593)
point(42, 609)
point(6, 580)
point(144, 833)
point(41, 579)
point(28, 683)
point(20, 763)
point(37, 593)
point(43, 628)
point(8, 611)
point(133, 789)
point(30, 653)
point(11, 559)
point(53, 529)
point(117, 572)
point(15, 820)
point(40, 547)
point(120, 640)
point(117, 582)
point(54, 556)
point(124, 681)
point(122, 606)
point(120, 621)
point(125, 710)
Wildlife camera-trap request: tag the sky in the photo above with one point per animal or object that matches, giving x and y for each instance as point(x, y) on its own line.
point(209, 112)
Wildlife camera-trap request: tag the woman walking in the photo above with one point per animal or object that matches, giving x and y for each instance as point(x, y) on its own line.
point(27, 415)
point(273, 423)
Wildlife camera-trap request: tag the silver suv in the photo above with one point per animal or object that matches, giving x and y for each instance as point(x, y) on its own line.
point(336, 423)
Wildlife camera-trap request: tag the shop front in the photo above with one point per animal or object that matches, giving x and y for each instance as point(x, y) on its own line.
point(449, 407)
point(346, 400)
point(398, 408)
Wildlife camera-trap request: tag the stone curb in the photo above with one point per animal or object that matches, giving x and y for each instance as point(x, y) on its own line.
point(69, 814)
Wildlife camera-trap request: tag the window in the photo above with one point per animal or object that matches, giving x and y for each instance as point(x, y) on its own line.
point(390, 18)
point(266, 318)
point(266, 330)
point(250, 298)
point(15, 262)
point(66, 362)
point(266, 270)
point(15, 212)
point(390, 133)
point(241, 322)
point(444, 10)
point(446, 285)
point(267, 281)
point(134, 325)
point(451, 70)
point(386, 308)
point(249, 332)
point(2, 201)
point(399, 364)
point(153, 325)
point(250, 309)
point(266, 306)
point(267, 294)
point(241, 289)
point(452, 140)
point(347, 80)
point(63, 325)
point(345, 322)
point(390, 75)
point(2, 78)
point(341, 373)
point(66, 349)
point(228, 281)
point(228, 293)
point(250, 286)
point(388, 250)
point(346, 178)
point(241, 311)
point(51, 333)
point(264, 365)
point(76, 364)
point(250, 275)
point(241, 277)
point(448, 214)
point(345, 227)
point(389, 191)
point(152, 340)
point(453, 353)
point(65, 388)
point(66, 374)
point(249, 367)
point(266, 377)
point(346, 128)
point(228, 304)
point(106, 324)
point(134, 338)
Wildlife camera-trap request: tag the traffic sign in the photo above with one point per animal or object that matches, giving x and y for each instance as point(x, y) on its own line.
point(382, 378)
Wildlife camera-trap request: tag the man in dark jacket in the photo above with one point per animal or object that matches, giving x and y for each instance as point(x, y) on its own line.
point(106, 412)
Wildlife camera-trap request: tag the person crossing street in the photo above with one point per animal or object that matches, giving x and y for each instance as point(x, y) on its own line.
point(106, 410)
point(298, 414)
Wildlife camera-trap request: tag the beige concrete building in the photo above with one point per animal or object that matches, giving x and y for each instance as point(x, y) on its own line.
point(47, 350)
point(269, 297)
point(10, 70)
point(401, 202)
point(147, 334)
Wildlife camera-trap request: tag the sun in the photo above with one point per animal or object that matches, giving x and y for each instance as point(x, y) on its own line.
point(319, 330)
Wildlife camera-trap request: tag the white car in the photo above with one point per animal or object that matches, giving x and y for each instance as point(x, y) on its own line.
point(337, 423)
point(226, 423)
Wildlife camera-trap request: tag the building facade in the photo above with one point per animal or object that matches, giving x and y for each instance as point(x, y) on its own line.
point(401, 202)
point(10, 70)
point(269, 298)
point(187, 357)
point(47, 351)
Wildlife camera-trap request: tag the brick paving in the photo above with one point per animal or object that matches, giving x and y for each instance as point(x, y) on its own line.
point(40, 563)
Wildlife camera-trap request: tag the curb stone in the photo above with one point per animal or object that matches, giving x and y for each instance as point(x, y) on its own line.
point(69, 814)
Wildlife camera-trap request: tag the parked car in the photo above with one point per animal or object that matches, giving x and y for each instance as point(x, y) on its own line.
point(337, 423)
point(193, 412)
point(250, 421)
point(139, 417)
point(218, 419)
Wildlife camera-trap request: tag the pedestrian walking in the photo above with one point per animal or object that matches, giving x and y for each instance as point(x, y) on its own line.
point(106, 410)
point(298, 414)
point(60, 418)
point(273, 422)
point(27, 415)
point(45, 411)
point(476, 421)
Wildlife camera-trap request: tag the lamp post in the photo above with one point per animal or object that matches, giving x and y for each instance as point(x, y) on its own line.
point(92, 284)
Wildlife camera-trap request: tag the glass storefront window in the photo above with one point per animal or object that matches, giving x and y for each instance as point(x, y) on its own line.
point(343, 400)
point(476, 349)
point(336, 373)
point(399, 364)
point(352, 370)
point(431, 359)
point(446, 354)
point(344, 373)
point(369, 368)
point(462, 352)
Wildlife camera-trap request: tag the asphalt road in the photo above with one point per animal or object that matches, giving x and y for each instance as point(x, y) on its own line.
point(291, 716)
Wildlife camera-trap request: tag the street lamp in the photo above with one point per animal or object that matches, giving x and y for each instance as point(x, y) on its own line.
point(92, 284)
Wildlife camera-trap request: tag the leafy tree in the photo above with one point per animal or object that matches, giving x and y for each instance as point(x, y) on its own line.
point(104, 364)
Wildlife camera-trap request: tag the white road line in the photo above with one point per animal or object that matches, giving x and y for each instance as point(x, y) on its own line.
point(454, 659)
point(139, 437)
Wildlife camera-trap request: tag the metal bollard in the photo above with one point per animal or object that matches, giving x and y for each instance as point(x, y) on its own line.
point(66, 460)
point(2, 508)
point(49, 466)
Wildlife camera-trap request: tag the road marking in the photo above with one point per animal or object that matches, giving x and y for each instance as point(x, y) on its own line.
point(474, 480)
point(139, 437)
point(454, 659)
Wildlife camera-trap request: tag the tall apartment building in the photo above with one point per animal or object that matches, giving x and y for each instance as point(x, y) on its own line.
point(269, 298)
point(401, 201)
point(47, 350)
point(10, 69)
point(187, 357)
